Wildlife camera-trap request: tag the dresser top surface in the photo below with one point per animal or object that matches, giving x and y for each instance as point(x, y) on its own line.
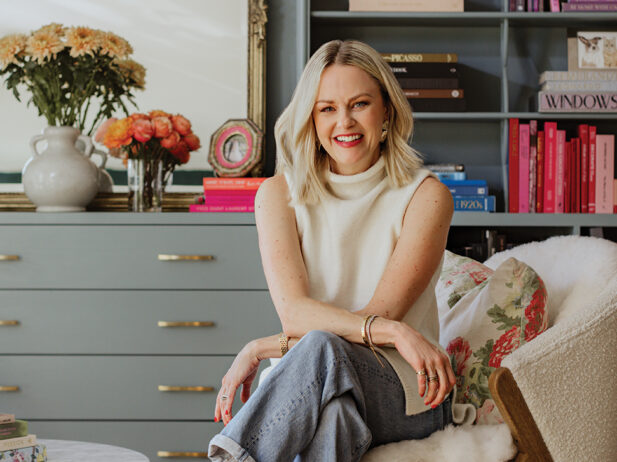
point(125, 218)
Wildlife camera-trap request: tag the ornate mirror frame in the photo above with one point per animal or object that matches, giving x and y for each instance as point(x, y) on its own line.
point(256, 109)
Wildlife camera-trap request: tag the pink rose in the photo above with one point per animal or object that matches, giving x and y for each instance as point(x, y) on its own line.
point(100, 132)
point(460, 351)
point(181, 152)
point(505, 345)
point(171, 141)
point(181, 124)
point(143, 130)
point(162, 127)
point(192, 141)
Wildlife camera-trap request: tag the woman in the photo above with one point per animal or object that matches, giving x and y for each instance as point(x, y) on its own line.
point(351, 232)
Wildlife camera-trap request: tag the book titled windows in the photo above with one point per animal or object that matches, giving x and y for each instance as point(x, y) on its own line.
point(554, 170)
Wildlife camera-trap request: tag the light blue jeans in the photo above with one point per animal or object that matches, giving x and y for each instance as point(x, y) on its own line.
point(328, 400)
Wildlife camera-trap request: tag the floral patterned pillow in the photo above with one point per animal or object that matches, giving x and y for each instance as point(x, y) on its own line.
point(484, 316)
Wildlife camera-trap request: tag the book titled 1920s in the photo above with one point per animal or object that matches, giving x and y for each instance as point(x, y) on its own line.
point(406, 5)
point(420, 57)
point(568, 101)
point(474, 203)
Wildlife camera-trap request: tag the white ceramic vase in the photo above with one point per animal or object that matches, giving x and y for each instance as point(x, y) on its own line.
point(61, 178)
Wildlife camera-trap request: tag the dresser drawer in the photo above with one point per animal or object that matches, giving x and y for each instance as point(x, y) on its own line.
point(112, 387)
point(129, 257)
point(127, 321)
point(146, 437)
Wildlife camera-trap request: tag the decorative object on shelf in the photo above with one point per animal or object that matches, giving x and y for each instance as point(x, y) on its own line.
point(66, 69)
point(152, 145)
point(236, 149)
point(61, 178)
point(407, 5)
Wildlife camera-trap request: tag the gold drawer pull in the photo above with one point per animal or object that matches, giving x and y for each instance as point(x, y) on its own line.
point(186, 324)
point(195, 455)
point(164, 257)
point(9, 322)
point(178, 388)
point(6, 388)
point(10, 258)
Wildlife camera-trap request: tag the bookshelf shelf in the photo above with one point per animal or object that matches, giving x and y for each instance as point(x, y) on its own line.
point(537, 220)
point(578, 20)
point(488, 18)
point(480, 116)
point(561, 116)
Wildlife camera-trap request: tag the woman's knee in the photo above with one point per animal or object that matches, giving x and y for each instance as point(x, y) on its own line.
point(322, 338)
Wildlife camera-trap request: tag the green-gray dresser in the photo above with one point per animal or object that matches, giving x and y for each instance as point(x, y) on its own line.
point(117, 327)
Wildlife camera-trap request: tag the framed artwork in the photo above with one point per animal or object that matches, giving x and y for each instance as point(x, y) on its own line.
point(236, 149)
point(597, 50)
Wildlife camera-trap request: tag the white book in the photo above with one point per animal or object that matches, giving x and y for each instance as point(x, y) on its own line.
point(610, 76)
point(579, 85)
point(18, 443)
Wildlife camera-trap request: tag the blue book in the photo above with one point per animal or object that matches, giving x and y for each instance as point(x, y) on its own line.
point(474, 203)
point(442, 176)
point(467, 187)
point(464, 182)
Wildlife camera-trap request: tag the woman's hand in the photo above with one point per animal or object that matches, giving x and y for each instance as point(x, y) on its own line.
point(424, 356)
point(241, 373)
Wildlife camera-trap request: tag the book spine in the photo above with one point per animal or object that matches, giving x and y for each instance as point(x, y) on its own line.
point(533, 159)
point(540, 174)
point(512, 5)
point(529, 5)
point(406, 6)
point(234, 200)
point(523, 169)
point(425, 70)
point(37, 452)
point(420, 57)
point(579, 86)
point(221, 208)
point(592, 169)
point(18, 443)
point(13, 429)
point(560, 171)
point(465, 183)
point(597, 6)
point(606, 166)
point(583, 133)
point(577, 176)
point(468, 190)
point(557, 101)
point(426, 83)
point(513, 167)
point(535, 5)
point(583, 76)
point(520, 5)
point(231, 192)
point(554, 6)
point(567, 180)
point(442, 176)
point(615, 195)
point(7, 418)
point(591, 1)
point(438, 104)
point(446, 167)
point(550, 148)
point(232, 183)
point(474, 203)
point(432, 93)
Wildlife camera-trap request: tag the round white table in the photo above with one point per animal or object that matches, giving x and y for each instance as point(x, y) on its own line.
point(81, 451)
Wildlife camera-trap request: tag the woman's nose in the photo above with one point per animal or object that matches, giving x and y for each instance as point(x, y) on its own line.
point(345, 119)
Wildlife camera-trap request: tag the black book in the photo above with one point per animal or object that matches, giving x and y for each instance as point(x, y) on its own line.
point(425, 70)
point(428, 83)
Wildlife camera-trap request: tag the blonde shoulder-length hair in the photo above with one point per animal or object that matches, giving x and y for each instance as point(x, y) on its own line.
point(298, 154)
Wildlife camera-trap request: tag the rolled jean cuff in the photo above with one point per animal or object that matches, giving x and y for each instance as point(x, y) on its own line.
point(223, 449)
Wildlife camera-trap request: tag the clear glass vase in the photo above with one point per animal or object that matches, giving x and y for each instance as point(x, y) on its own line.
point(145, 182)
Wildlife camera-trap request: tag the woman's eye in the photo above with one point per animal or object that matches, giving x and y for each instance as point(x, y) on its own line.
point(327, 109)
point(360, 104)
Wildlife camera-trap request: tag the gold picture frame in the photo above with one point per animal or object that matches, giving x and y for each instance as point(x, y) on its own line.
point(256, 110)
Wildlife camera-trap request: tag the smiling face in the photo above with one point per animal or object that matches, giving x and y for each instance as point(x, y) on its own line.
point(349, 113)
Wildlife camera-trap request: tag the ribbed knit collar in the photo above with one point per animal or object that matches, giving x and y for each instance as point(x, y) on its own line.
point(356, 186)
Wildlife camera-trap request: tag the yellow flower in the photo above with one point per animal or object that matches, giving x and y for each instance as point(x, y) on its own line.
point(133, 71)
point(115, 46)
point(42, 45)
point(11, 47)
point(83, 41)
point(53, 28)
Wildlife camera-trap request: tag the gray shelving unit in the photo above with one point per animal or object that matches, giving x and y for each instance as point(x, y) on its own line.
point(501, 55)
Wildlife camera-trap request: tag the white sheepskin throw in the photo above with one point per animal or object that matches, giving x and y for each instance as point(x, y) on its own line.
point(477, 443)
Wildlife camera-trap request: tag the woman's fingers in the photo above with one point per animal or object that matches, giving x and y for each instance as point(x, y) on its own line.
point(443, 389)
point(226, 402)
point(421, 375)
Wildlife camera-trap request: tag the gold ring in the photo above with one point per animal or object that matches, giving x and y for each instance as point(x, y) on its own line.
point(433, 378)
point(224, 397)
point(421, 372)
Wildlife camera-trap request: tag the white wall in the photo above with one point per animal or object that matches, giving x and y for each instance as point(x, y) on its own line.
point(194, 51)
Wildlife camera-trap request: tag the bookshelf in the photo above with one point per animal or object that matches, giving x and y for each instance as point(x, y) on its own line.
point(501, 55)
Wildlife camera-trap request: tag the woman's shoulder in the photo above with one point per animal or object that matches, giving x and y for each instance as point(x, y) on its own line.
point(272, 193)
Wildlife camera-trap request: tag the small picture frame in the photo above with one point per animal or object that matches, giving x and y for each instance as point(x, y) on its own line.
point(597, 50)
point(236, 149)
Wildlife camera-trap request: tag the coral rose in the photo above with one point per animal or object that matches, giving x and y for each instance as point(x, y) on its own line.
point(181, 152)
point(100, 132)
point(158, 113)
point(162, 127)
point(181, 124)
point(143, 130)
point(171, 141)
point(192, 141)
point(120, 133)
point(138, 116)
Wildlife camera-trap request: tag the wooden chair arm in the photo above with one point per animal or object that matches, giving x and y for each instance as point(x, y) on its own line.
point(516, 414)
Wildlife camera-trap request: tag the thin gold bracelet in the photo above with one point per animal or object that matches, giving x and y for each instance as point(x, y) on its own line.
point(284, 342)
point(366, 335)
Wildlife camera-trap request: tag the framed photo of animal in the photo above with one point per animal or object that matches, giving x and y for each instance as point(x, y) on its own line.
point(597, 50)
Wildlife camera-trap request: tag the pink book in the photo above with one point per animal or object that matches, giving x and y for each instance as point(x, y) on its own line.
point(560, 172)
point(533, 161)
point(554, 6)
point(583, 133)
point(592, 169)
point(234, 200)
point(567, 188)
point(231, 192)
point(605, 166)
point(615, 195)
point(550, 129)
point(220, 208)
point(523, 166)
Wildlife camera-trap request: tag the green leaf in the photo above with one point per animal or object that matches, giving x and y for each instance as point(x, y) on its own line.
point(498, 316)
point(484, 353)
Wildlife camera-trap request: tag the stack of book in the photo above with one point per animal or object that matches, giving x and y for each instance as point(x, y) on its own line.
point(228, 195)
point(411, 6)
point(549, 172)
point(578, 91)
point(430, 81)
point(468, 195)
point(16, 443)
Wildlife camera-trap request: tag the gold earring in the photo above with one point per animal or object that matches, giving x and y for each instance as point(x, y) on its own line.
point(384, 131)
